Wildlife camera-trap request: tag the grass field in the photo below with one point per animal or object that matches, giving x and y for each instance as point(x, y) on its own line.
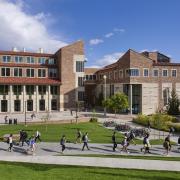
point(13, 171)
point(97, 133)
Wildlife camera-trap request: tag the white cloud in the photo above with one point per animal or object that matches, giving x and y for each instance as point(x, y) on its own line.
point(20, 29)
point(109, 35)
point(108, 59)
point(95, 41)
point(118, 30)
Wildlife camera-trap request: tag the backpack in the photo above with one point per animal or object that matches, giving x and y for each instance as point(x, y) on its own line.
point(7, 140)
point(83, 138)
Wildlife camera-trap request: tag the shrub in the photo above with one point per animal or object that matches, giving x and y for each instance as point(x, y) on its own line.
point(122, 127)
point(93, 120)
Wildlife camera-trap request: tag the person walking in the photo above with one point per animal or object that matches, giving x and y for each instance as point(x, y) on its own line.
point(130, 138)
point(6, 119)
point(114, 141)
point(10, 141)
point(167, 145)
point(32, 145)
point(79, 136)
point(85, 141)
point(62, 142)
point(37, 136)
point(146, 144)
point(125, 144)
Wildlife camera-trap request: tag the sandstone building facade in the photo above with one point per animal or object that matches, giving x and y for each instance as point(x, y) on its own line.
point(39, 82)
point(146, 78)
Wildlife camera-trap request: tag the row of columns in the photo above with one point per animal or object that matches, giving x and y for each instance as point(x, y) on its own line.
point(25, 97)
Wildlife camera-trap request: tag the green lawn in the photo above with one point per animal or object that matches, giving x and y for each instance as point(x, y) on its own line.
point(97, 133)
point(13, 171)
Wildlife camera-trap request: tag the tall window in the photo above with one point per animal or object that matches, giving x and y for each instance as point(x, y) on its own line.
point(30, 60)
point(30, 72)
point(173, 72)
point(54, 104)
point(30, 89)
point(17, 89)
point(79, 66)
point(29, 105)
point(6, 59)
point(155, 72)
point(41, 72)
point(42, 105)
point(54, 90)
point(80, 81)
point(4, 105)
point(18, 59)
point(121, 74)
point(80, 95)
point(52, 72)
point(42, 60)
point(166, 96)
point(42, 90)
point(51, 61)
point(146, 72)
point(4, 89)
point(5, 72)
point(17, 105)
point(165, 73)
point(18, 72)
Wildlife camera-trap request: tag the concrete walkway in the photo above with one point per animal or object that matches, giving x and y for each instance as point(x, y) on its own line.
point(98, 162)
point(49, 153)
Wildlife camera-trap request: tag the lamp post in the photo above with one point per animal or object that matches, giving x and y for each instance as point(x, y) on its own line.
point(25, 112)
point(105, 77)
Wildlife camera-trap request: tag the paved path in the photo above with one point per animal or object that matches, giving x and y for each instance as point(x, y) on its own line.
point(98, 162)
point(49, 153)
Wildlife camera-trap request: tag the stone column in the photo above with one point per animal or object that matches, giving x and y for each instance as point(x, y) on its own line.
point(49, 98)
point(130, 98)
point(10, 99)
point(24, 97)
point(37, 104)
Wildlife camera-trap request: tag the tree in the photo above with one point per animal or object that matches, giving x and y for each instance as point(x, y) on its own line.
point(173, 104)
point(117, 102)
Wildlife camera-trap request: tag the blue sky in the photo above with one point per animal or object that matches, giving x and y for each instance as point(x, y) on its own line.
point(108, 27)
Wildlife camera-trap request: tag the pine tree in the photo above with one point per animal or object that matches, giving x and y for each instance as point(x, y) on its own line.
point(173, 104)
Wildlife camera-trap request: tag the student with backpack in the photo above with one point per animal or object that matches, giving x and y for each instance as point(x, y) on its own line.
point(114, 141)
point(37, 136)
point(62, 143)
point(130, 138)
point(125, 144)
point(167, 145)
point(146, 144)
point(85, 141)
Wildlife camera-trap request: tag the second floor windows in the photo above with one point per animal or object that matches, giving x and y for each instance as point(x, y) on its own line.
point(42, 60)
point(6, 59)
point(54, 90)
point(5, 72)
point(173, 72)
point(17, 72)
point(80, 81)
point(52, 72)
point(155, 72)
point(30, 60)
point(146, 72)
point(17, 89)
point(4, 89)
point(79, 66)
point(29, 89)
point(164, 72)
point(42, 90)
point(30, 72)
point(41, 72)
point(132, 72)
point(18, 59)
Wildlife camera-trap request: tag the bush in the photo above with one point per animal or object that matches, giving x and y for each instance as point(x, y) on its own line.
point(93, 120)
point(157, 121)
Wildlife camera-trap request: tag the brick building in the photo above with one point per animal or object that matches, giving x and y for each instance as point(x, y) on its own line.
point(41, 82)
point(146, 78)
